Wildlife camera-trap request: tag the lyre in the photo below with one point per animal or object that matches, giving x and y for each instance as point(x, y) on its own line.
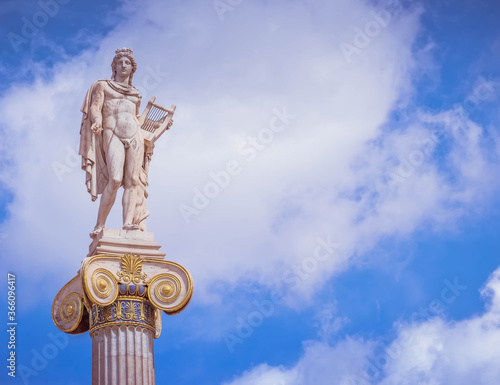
point(155, 120)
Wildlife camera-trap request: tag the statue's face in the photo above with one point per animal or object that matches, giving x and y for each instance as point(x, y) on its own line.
point(124, 67)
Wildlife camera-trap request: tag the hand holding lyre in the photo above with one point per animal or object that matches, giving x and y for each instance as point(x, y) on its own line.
point(96, 128)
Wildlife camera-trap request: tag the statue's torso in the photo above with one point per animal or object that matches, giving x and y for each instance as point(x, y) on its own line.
point(119, 113)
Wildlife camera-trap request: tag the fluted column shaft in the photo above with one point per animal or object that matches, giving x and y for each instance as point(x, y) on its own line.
point(122, 341)
point(123, 355)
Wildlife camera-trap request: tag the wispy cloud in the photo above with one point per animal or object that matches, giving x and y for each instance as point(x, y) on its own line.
point(427, 350)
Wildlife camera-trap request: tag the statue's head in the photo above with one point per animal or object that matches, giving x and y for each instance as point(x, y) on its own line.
point(129, 54)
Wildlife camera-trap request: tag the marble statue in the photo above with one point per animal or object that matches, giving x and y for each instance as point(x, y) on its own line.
point(116, 143)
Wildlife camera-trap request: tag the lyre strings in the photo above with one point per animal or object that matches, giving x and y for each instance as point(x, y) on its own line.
point(155, 117)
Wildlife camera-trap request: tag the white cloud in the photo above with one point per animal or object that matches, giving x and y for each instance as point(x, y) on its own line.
point(462, 352)
point(328, 322)
point(321, 364)
point(266, 375)
point(434, 351)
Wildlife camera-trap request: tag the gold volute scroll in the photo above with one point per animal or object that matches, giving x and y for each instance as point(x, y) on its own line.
point(168, 293)
point(104, 289)
point(68, 310)
point(166, 290)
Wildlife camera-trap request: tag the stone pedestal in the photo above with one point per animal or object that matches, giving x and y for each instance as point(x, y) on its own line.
point(113, 241)
point(120, 298)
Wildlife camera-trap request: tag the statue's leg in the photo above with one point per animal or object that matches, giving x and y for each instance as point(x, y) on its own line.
point(115, 158)
point(134, 156)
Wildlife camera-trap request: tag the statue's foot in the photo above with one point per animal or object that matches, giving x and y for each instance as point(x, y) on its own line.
point(130, 226)
point(96, 231)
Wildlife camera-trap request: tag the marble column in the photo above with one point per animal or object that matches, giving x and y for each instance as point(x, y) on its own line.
point(120, 300)
point(123, 355)
point(122, 342)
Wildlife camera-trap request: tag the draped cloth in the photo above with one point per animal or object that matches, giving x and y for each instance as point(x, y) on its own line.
point(91, 150)
point(128, 90)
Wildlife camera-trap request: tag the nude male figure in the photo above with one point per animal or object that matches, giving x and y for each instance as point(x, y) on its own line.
point(115, 154)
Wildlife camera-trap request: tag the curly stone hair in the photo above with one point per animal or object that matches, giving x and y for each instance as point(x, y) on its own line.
point(119, 53)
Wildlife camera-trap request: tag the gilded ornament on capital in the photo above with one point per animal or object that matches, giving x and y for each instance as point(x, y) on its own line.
point(164, 289)
point(119, 309)
point(131, 270)
point(107, 313)
point(67, 311)
point(103, 287)
point(129, 312)
point(68, 307)
point(142, 315)
point(167, 290)
point(95, 314)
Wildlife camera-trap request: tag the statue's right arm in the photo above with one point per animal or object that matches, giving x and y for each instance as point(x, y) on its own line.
point(96, 107)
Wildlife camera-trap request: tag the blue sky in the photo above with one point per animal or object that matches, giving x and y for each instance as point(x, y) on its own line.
point(389, 151)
